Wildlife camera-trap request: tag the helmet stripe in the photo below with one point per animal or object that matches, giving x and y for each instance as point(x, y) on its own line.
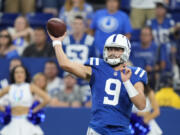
point(127, 43)
point(114, 38)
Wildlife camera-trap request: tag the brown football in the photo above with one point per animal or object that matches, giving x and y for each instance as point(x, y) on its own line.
point(56, 27)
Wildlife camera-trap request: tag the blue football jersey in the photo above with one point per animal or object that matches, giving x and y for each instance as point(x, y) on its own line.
point(106, 24)
point(143, 57)
point(111, 105)
point(79, 51)
point(161, 31)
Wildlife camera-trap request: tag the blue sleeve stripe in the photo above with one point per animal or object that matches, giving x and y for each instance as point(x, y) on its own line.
point(137, 70)
point(142, 73)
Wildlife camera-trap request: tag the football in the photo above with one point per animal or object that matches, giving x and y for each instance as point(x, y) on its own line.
point(56, 27)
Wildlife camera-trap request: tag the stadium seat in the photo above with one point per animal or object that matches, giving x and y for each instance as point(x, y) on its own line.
point(7, 19)
point(38, 19)
point(135, 35)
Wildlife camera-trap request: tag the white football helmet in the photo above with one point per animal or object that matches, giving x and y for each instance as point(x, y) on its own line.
point(119, 41)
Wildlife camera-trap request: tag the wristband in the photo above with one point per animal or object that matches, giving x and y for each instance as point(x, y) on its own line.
point(56, 42)
point(132, 92)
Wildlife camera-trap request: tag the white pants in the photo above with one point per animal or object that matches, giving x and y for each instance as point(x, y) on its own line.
point(91, 131)
point(19, 125)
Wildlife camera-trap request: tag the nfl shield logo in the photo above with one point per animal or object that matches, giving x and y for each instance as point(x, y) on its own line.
point(115, 73)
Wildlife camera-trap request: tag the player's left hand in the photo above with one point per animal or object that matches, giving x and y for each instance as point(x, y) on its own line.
point(126, 74)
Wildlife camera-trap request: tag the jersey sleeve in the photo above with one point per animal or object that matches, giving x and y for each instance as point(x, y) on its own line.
point(94, 64)
point(139, 75)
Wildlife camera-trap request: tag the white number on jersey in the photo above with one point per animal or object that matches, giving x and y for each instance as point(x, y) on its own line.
point(115, 92)
point(72, 53)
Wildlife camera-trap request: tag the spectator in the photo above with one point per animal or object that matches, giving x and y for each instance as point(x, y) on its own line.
point(13, 63)
point(52, 6)
point(74, 7)
point(109, 21)
point(150, 112)
point(166, 58)
point(161, 25)
point(7, 50)
point(70, 96)
point(79, 46)
point(141, 11)
point(21, 33)
point(40, 81)
point(166, 96)
point(19, 6)
point(54, 83)
point(175, 37)
point(175, 34)
point(40, 47)
point(143, 53)
point(5, 82)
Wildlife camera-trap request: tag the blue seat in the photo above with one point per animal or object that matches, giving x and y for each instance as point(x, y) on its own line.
point(38, 19)
point(135, 35)
point(7, 19)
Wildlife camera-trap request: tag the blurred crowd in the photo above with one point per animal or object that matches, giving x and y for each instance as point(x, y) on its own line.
point(153, 31)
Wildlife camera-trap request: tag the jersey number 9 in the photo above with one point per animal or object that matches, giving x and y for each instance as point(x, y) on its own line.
point(113, 92)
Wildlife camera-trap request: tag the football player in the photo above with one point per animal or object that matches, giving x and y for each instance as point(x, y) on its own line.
point(115, 87)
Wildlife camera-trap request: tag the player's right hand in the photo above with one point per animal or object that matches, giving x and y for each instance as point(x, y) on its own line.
point(126, 74)
point(57, 38)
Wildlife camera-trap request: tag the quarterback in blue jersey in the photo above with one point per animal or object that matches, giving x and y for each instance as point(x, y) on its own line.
point(115, 87)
